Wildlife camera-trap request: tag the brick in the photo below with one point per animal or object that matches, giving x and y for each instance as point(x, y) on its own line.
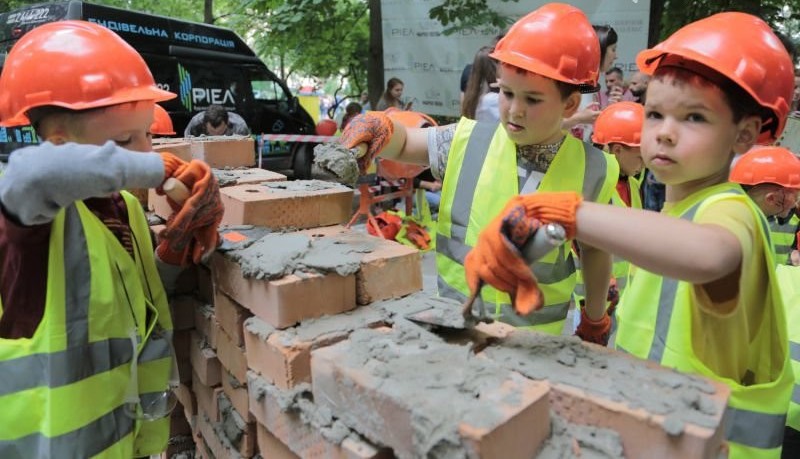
point(178, 147)
point(284, 357)
point(270, 443)
point(514, 411)
point(205, 364)
point(206, 399)
point(224, 151)
point(305, 440)
point(604, 388)
point(276, 209)
point(230, 316)
point(233, 429)
point(205, 324)
point(237, 394)
point(178, 425)
point(286, 301)
point(187, 399)
point(231, 356)
point(246, 176)
point(215, 440)
point(183, 307)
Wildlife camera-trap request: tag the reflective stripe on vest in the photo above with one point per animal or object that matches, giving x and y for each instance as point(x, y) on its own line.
point(785, 238)
point(76, 367)
point(483, 167)
point(756, 413)
point(789, 280)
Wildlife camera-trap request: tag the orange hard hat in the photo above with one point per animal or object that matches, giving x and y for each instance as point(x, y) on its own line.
point(620, 123)
point(767, 165)
point(411, 119)
point(740, 47)
point(556, 41)
point(162, 123)
point(72, 64)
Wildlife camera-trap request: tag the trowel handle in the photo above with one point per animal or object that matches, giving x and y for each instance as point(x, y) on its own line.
point(360, 150)
point(176, 190)
point(545, 239)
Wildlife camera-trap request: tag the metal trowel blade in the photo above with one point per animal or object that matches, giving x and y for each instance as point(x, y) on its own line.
point(441, 318)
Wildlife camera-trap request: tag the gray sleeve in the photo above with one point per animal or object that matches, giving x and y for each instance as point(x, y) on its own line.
point(41, 180)
point(238, 124)
point(439, 141)
point(193, 128)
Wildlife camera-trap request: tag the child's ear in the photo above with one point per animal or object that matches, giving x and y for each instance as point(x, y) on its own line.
point(747, 134)
point(615, 149)
point(571, 104)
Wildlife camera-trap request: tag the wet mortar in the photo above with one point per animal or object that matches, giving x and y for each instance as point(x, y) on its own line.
point(334, 160)
point(299, 186)
point(568, 440)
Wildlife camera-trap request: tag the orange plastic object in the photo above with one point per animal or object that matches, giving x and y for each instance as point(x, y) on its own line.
point(326, 127)
point(620, 123)
point(162, 123)
point(767, 165)
point(76, 65)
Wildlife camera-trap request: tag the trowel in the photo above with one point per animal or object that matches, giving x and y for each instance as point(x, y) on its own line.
point(546, 238)
point(333, 162)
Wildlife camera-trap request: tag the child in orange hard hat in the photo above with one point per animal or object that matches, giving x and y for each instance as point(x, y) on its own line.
point(162, 123)
point(545, 61)
point(705, 298)
point(85, 328)
point(618, 129)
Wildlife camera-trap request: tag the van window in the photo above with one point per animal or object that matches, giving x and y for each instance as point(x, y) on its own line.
point(267, 90)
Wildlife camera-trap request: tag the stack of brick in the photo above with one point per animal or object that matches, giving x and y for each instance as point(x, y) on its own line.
point(303, 348)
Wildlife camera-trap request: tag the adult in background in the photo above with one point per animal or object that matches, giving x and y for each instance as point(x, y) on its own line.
point(391, 97)
point(638, 87)
point(216, 120)
point(481, 97)
point(615, 91)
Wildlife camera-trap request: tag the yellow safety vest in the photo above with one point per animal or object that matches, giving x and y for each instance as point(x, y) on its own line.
point(789, 281)
point(620, 268)
point(785, 238)
point(654, 321)
point(63, 390)
point(480, 178)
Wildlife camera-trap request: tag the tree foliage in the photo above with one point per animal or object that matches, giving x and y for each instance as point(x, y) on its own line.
point(464, 14)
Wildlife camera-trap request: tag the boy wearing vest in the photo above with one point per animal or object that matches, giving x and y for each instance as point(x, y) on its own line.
point(618, 129)
point(482, 165)
point(85, 327)
point(771, 177)
point(704, 299)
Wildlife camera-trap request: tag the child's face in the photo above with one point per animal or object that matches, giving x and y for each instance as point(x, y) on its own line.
point(128, 125)
point(689, 136)
point(781, 202)
point(629, 159)
point(531, 108)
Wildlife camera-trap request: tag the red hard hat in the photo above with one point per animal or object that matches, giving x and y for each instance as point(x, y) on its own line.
point(76, 65)
point(411, 119)
point(556, 41)
point(326, 127)
point(742, 48)
point(767, 165)
point(620, 123)
point(162, 123)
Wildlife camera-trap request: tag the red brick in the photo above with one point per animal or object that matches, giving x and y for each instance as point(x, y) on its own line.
point(237, 394)
point(215, 440)
point(224, 151)
point(230, 316)
point(178, 147)
point(177, 423)
point(234, 430)
point(517, 429)
point(261, 206)
point(206, 399)
point(205, 324)
point(231, 356)
point(246, 176)
point(390, 270)
point(302, 438)
point(289, 300)
point(269, 444)
point(205, 364)
point(183, 307)
point(284, 357)
point(187, 399)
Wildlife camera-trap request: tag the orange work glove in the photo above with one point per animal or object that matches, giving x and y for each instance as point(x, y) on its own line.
point(373, 128)
point(552, 207)
point(191, 232)
point(172, 164)
point(496, 261)
point(594, 331)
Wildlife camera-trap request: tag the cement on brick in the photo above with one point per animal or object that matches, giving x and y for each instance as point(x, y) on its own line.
point(276, 255)
point(333, 158)
point(259, 328)
point(299, 400)
point(331, 327)
point(440, 385)
point(569, 440)
point(229, 176)
point(682, 398)
point(300, 186)
point(230, 422)
point(250, 232)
